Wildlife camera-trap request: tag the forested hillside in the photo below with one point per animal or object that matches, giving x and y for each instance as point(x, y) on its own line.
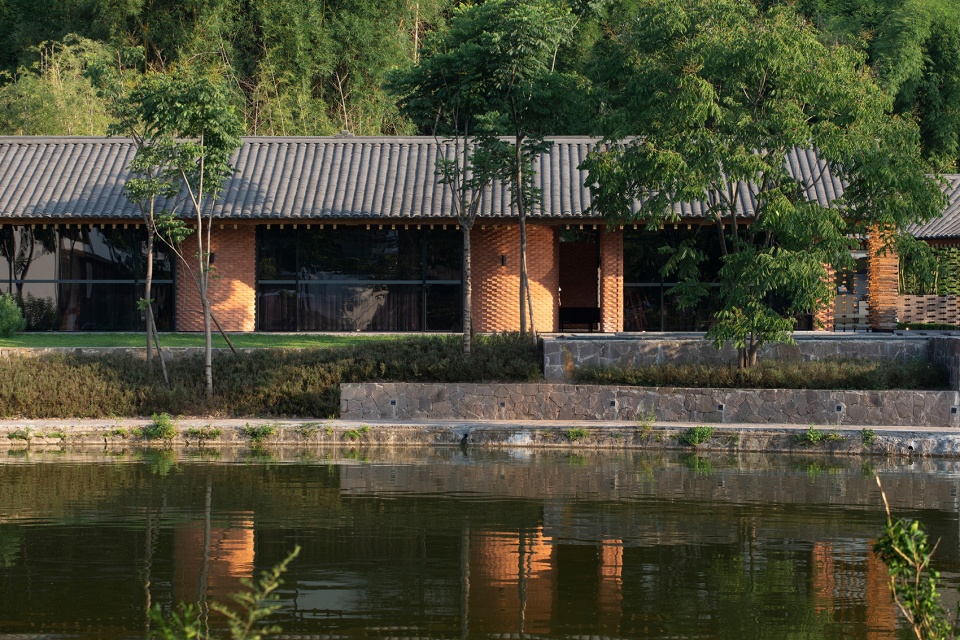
point(314, 67)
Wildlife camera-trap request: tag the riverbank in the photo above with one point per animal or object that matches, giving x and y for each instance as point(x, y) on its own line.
point(569, 434)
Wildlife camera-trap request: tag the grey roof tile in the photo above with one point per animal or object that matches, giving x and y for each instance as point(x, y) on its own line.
point(338, 178)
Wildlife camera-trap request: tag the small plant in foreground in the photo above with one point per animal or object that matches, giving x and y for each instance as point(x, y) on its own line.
point(867, 436)
point(163, 428)
point(56, 435)
point(119, 432)
point(203, 434)
point(307, 431)
point(813, 436)
point(645, 420)
point(20, 434)
point(245, 618)
point(258, 433)
point(356, 434)
point(575, 435)
point(906, 550)
point(695, 435)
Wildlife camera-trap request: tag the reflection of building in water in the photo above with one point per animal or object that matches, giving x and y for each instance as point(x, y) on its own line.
point(213, 572)
point(841, 578)
point(518, 583)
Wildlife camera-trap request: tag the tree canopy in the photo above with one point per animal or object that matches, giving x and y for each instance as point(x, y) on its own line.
point(706, 100)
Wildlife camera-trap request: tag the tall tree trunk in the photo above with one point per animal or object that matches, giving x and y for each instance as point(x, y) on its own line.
point(467, 291)
point(207, 346)
point(147, 291)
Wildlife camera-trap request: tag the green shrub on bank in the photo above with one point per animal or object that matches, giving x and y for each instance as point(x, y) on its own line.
point(262, 383)
point(827, 374)
point(11, 317)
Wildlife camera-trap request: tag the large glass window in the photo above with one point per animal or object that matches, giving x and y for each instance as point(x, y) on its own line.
point(86, 278)
point(649, 303)
point(358, 279)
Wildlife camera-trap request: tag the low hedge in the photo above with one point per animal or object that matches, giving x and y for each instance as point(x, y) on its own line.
point(268, 382)
point(825, 374)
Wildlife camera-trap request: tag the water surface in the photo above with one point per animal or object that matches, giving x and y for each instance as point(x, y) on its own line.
point(444, 543)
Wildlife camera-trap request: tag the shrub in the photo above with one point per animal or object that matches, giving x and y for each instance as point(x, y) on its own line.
point(11, 317)
point(259, 433)
point(163, 428)
point(695, 435)
point(266, 382)
point(824, 374)
point(577, 434)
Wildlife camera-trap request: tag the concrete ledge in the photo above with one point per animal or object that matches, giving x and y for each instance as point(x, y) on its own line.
point(292, 439)
point(545, 401)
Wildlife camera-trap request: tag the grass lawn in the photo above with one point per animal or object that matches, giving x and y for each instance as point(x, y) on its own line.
point(240, 340)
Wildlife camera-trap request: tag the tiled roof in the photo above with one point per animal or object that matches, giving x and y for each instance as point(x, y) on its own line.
point(947, 225)
point(321, 178)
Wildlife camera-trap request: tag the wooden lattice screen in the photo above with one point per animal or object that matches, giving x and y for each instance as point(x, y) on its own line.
point(929, 309)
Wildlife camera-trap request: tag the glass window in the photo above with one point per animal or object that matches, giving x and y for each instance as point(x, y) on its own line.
point(358, 279)
point(84, 278)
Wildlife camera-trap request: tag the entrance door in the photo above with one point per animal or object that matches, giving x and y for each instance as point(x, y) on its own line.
point(579, 281)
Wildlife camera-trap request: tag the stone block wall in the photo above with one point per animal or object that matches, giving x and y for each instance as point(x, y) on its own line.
point(232, 292)
point(946, 351)
point(543, 401)
point(562, 356)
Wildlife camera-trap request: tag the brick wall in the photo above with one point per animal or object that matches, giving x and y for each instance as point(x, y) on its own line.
point(883, 283)
point(233, 293)
point(496, 286)
point(823, 319)
point(611, 280)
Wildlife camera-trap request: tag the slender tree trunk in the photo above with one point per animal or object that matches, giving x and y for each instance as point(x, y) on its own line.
point(147, 290)
point(208, 346)
point(467, 290)
point(160, 356)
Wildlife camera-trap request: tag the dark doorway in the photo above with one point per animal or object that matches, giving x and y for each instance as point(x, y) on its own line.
point(579, 279)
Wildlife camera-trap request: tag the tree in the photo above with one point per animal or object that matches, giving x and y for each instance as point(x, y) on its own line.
point(707, 99)
point(492, 72)
point(914, 48)
point(189, 132)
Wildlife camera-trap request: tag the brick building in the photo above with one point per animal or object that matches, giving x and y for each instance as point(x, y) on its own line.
point(356, 234)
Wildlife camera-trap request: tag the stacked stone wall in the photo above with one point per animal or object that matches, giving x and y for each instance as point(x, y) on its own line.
point(543, 401)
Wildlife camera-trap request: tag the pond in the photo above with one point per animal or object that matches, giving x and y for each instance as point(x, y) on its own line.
point(450, 543)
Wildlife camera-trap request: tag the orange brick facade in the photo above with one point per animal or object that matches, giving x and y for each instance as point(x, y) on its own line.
point(611, 280)
point(232, 292)
point(496, 277)
point(824, 318)
point(883, 283)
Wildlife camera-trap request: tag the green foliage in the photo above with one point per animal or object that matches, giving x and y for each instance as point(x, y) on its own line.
point(259, 433)
point(927, 270)
point(11, 317)
point(308, 430)
point(906, 550)
point(816, 436)
point(705, 95)
point(824, 374)
point(204, 433)
point(53, 96)
point(356, 434)
point(265, 382)
point(55, 435)
point(246, 616)
point(867, 436)
point(20, 434)
point(163, 428)
point(695, 435)
point(576, 434)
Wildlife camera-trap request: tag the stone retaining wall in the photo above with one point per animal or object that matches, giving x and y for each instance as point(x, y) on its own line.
point(562, 356)
point(543, 401)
